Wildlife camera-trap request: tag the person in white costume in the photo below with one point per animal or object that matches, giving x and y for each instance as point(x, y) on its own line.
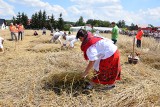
point(71, 39)
point(57, 37)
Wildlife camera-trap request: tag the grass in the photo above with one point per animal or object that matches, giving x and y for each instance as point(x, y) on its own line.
point(40, 73)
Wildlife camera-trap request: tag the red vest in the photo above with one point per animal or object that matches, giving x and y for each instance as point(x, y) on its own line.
point(139, 35)
point(13, 29)
point(87, 42)
point(20, 28)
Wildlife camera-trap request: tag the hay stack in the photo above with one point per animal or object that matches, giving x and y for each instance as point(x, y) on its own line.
point(68, 81)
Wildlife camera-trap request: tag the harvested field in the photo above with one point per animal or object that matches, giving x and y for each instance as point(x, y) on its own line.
point(37, 73)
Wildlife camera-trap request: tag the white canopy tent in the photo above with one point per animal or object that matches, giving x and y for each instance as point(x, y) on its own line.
point(75, 29)
point(101, 29)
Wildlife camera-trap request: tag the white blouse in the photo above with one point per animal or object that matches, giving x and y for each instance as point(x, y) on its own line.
point(101, 50)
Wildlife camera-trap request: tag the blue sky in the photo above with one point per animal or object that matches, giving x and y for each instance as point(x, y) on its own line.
point(132, 11)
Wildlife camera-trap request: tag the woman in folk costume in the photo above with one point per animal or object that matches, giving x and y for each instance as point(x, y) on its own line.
point(103, 56)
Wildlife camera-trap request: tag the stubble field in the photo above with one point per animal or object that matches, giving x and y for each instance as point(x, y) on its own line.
point(30, 69)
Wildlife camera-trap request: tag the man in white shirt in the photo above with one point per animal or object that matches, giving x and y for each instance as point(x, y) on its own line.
point(57, 37)
point(44, 31)
point(71, 39)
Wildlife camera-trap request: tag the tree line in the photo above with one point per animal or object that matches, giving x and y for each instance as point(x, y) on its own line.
point(40, 19)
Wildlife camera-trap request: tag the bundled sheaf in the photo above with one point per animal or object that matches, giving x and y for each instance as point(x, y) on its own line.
point(65, 81)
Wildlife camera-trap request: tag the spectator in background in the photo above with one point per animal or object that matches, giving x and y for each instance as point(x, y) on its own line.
point(44, 31)
point(20, 31)
point(11, 28)
point(1, 44)
point(35, 33)
point(115, 32)
point(14, 32)
point(139, 37)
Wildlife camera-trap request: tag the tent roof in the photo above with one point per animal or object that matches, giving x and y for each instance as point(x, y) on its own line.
point(103, 28)
point(81, 27)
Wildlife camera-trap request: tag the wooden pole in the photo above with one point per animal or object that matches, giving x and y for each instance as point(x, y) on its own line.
point(133, 49)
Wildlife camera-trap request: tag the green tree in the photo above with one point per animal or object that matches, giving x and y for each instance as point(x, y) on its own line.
point(24, 19)
point(121, 24)
point(67, 27)
point(18, 19)
point(40, 19)
point(80, 22)
point(52, 22)
point(60, 22)
point(44, 18)
point(90, 21)
point(14, 19)
point(35, 21)
point(133, 27)
point(21, 18)
point(106, 23)
point(95, 23)
point(98, 23)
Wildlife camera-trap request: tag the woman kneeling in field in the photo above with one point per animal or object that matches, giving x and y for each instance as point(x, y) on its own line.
point(103, 56)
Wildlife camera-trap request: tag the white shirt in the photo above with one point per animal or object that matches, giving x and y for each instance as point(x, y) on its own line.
point(1, 39)
point(71, 39)
point(44, 29)
point(61, 32)
point(57, 34)
point(57, 37)
point(101, 50)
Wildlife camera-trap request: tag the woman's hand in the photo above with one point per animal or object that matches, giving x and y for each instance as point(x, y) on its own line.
point(84, 74)
point(89, 66)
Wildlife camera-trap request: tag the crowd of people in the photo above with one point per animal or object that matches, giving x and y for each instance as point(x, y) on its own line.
point(17, 31)
point(146, 33)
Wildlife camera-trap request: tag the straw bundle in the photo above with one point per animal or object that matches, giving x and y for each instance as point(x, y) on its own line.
point(68, 81)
